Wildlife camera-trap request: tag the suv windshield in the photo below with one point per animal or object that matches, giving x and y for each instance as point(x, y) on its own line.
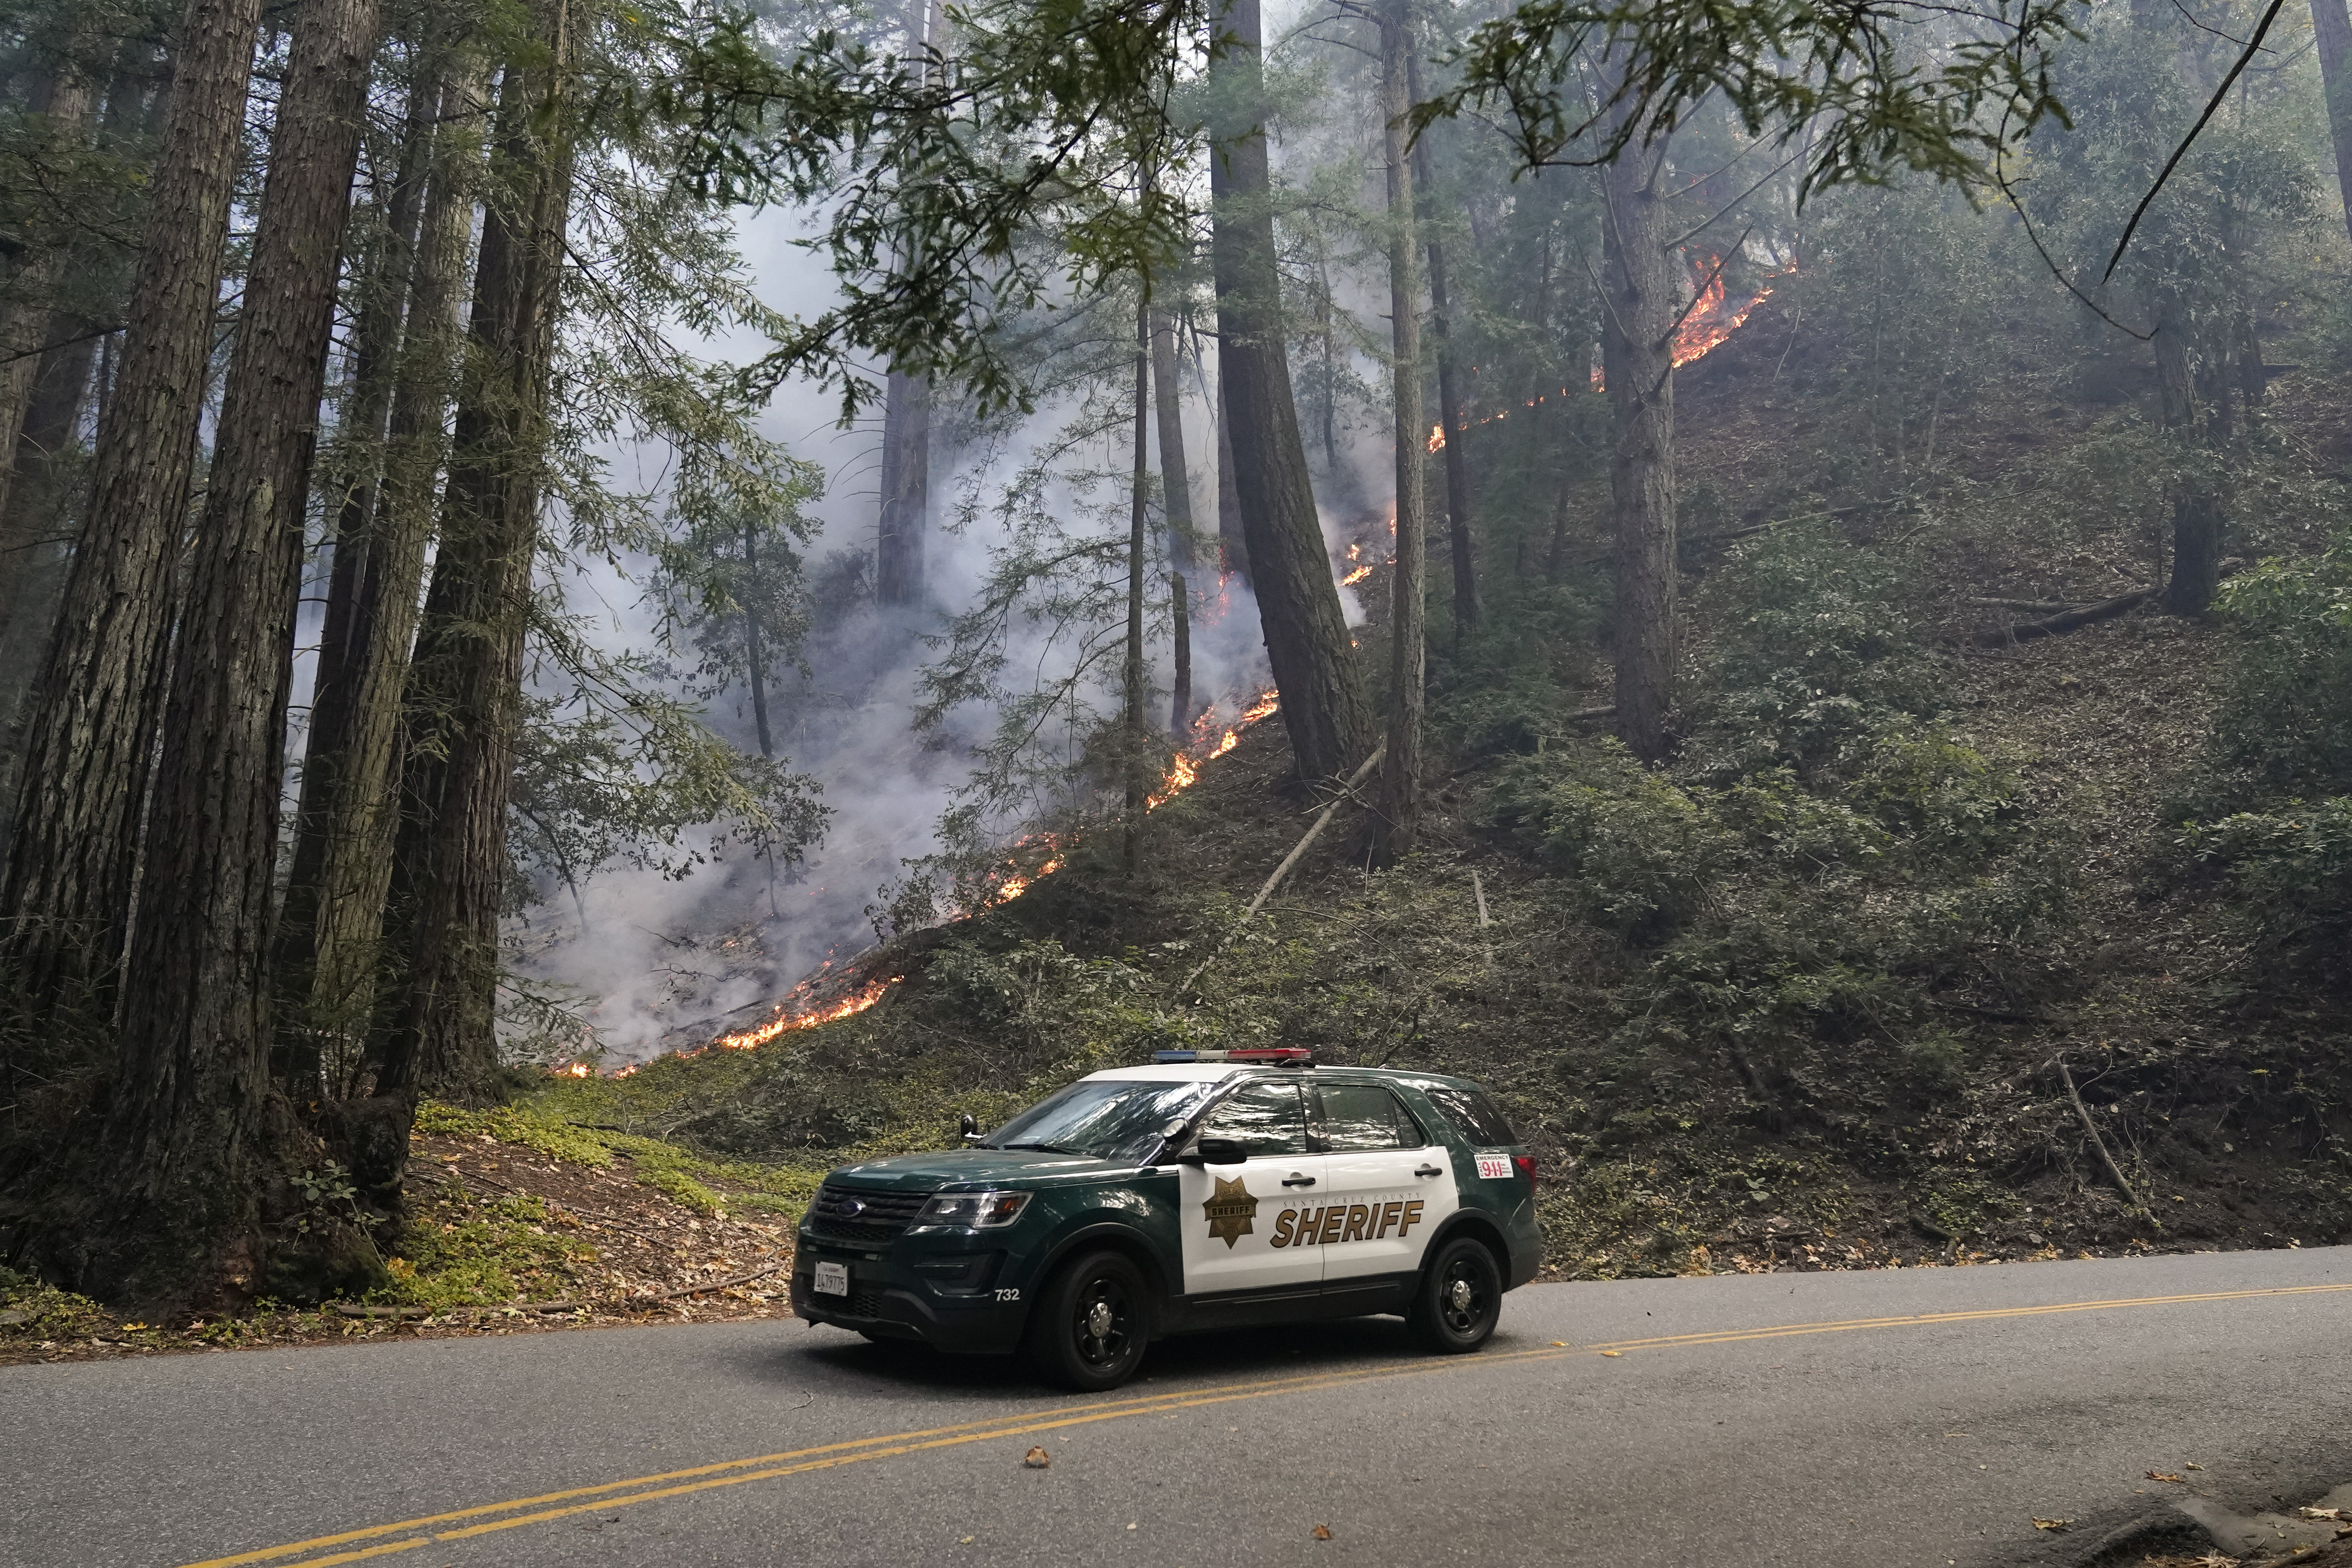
point(1116, 1120)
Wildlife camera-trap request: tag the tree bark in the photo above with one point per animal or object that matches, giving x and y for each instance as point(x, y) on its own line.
point(1467, 607)
point(907, 422)
point(64, 99)
point(1137, 736)
point(1180, 706)
point(185, 1124)
point(755, 656)
point(1232, 549)
point(1398, 822)
point(327, 951)
point(1637, 321)
point(1324, 707)
point(35, 534)
point(905, 490)
point(450, 862)
point(73, 855)
point(2331, 26)
point(1175, 472)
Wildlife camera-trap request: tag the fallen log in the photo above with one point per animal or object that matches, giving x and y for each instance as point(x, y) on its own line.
point(1322, 820)
point(2068, 621)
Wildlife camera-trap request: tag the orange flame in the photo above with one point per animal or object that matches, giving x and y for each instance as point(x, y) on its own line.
point(848, 1006)
point(1709, 323)
point(1358, 576)
point(1437, 438)
point(572, 1069)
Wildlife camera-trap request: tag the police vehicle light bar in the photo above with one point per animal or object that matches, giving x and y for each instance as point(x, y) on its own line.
point(1271, 1056)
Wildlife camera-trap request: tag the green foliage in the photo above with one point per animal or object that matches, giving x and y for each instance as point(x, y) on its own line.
point(1816, 656)
point(1858, 83)
point(503, 1252)
point(525, 1127)
point(2290, 868)
point(32, 1310)
point(1641, 851)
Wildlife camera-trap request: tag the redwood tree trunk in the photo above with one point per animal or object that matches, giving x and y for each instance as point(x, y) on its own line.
point(450, 862)
point(1637, 359)
point(1232, 549)
point(64, 98)
point(1324, 707)
point(326, 956)
point(905, 490)
point(1137, 728)
point(1467, 607)
point(183, 1136)
point(2331, 26)
point(1175, 473)
point(1400, 815)
point(73, 855)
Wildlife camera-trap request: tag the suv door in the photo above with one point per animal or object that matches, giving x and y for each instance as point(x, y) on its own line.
point(1390, 1184)
point(1228, 1212)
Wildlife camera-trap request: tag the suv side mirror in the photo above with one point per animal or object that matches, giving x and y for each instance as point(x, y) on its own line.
point(1214, 1152)
point(969, 1127)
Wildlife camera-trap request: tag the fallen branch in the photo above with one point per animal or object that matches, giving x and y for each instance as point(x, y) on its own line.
point(723, 1284)
point(349, 1310)
point(2097, 1143)
point(2059, 625)
point(1322, 820)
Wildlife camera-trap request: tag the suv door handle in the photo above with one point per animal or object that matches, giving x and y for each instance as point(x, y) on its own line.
point(1296, 1180)
point(1428, 1170)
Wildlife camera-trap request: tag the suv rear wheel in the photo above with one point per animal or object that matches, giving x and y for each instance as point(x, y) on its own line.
point(1460, 1299)
point(1089, 1326)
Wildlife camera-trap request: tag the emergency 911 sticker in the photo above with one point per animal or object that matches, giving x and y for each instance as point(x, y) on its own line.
point(1493, 1167)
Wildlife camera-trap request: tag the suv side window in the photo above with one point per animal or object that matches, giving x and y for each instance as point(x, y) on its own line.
point(1472, 1111)
point(1366, 1116)
point(1268, 1119)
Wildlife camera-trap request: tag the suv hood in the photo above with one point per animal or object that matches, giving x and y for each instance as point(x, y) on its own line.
point(968, 1167)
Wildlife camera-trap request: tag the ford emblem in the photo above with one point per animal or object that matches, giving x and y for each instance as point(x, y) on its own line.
point(852, 1207)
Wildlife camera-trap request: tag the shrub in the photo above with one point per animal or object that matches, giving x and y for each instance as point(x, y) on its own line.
point(1643, 851)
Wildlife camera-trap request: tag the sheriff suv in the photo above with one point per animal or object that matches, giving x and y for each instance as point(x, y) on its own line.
point(1208, 1190)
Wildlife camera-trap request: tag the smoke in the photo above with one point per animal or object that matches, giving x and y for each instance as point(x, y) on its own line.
point(661, 962)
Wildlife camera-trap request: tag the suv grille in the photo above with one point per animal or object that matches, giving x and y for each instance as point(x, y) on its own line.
point(845, 1214)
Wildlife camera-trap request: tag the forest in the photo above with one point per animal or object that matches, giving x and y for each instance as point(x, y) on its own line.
point(734, 582)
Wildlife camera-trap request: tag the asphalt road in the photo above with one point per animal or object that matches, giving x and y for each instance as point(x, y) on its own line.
point(1912, 1417)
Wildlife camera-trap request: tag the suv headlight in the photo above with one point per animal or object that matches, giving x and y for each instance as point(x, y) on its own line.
point(971, 1211)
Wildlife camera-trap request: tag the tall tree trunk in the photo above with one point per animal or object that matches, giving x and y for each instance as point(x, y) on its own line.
point(755, 656)
point(1232, 549)
point(185, 1130)
point(35, 532)
point(64, 99)
point(383, 296)
point(325, 957)
point(1637, 320)
point(2331, 27)
point(1180, 706)
point(2194, 398)
point(1136, 737)
point(1400, 815)
point(907, 423)
point(1324, 707)
point(905, 490)
point(465, 688)
point(1466, 607)
point(73, 855)
point(1175, 472)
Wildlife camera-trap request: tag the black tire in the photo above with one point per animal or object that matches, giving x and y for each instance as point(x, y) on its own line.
point(1091, 1323)
point(1460, 1299)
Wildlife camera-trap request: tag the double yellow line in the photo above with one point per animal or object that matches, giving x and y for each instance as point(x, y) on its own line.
point(464, 1524)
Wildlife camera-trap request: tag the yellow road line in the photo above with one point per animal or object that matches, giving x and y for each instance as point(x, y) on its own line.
point(479, 1520)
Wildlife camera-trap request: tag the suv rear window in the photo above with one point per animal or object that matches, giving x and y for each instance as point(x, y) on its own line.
point(1473, 1113)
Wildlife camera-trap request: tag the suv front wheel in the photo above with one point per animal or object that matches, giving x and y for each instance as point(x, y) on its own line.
point(1460, 1299)
point(1089, 1328)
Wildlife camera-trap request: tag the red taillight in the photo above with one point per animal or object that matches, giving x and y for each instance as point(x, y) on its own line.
point(1525, 1166)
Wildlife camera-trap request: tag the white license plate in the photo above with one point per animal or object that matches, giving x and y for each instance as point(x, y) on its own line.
point(833, 1279)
